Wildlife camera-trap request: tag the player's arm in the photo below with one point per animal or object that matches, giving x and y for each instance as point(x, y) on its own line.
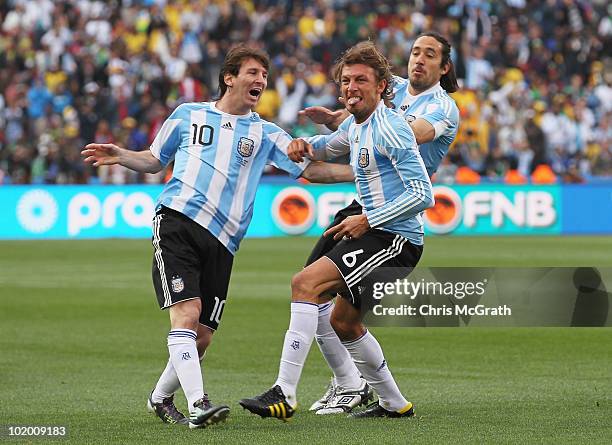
point(325, 116)
point(423, 131)
point(327, 173)
point(111, 154)
point(441, 118)
point(417, 196)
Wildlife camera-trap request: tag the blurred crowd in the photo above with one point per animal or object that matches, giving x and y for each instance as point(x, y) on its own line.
point(536, 77)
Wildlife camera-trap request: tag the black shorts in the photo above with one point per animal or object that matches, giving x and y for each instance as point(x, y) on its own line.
point(327, 243)
point(188, 263)
point(377, 257)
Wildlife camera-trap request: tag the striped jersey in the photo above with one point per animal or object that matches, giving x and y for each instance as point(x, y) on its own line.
point(436, 107)
point(219, 159)
point(391, 179)
point(433, 105)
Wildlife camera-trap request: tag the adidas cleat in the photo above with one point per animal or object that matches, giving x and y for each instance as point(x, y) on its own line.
point(324, 400)
point(271, 403)
point(344, 400)
point(205, 413)
point(375, 410)
point(166, 411)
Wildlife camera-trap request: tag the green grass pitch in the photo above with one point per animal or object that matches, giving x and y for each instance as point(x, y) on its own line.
point(82, 343)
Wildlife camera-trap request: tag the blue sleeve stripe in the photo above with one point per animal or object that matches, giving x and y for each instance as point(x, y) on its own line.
point(406, 204)
point(410, 201)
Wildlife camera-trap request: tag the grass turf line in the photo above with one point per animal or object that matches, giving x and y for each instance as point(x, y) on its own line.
point(82, 343)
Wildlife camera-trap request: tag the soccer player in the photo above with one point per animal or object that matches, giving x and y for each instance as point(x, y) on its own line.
point(220, 150)
point(395, 189)
point(434, 118)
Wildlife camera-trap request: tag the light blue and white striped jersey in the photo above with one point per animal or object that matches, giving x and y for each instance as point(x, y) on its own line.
point(436, 107)
point(392, 181)
point(219, 159)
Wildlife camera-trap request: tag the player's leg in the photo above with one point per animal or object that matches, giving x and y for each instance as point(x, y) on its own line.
point(179, 243)
point(369, 359)
point(346, 375)
point(376, 256)
point(161, 399)
point(347, 381)
point(214, 283)
point(280, 401)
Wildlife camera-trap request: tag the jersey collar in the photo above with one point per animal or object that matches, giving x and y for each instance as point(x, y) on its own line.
point(214, 108)
point(380, 105)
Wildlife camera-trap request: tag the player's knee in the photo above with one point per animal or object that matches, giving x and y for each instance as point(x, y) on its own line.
point(185, 315)
point(302, 288)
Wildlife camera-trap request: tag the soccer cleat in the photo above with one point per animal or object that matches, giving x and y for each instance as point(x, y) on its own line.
point(205, 413)
point(324, 400)
point(166, 410)
point(271, 403)
point(344, 400)
point(375, 410)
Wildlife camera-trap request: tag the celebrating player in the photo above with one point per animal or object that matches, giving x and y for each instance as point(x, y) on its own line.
point(395, 189)
point(434, 118)
point(220, 150)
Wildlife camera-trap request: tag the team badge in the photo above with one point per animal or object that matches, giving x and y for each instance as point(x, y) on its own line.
point(245, 147)
point(410, 118)
point(177, 285)
point(364, 158)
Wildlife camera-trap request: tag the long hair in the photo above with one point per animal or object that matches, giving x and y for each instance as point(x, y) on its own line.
point(449, 80)
point(366, 53)
point(233, 62)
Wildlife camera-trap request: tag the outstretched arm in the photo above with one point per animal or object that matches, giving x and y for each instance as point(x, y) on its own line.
point(322, 115)
point(110, 154)
point(324, 172)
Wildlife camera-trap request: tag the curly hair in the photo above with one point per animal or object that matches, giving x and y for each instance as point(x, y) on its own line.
point(366, 53)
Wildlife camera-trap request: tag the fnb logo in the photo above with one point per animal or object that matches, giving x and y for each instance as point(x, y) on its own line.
point(522, 209)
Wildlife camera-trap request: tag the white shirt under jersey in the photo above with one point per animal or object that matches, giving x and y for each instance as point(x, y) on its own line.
point(219, 159)
point(391, 179)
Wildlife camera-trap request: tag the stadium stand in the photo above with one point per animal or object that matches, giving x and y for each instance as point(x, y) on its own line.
point(536, 76)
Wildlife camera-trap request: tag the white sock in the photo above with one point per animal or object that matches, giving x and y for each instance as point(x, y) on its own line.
point(302, 328)
point(184, 358)
point(368, 356)
point(168, 383)
point(335, 354)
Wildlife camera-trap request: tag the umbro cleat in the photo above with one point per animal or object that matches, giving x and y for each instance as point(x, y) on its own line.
point(325, 398)
point(344, 400)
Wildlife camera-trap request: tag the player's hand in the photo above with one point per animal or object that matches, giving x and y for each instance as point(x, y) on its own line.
point(321, 115)
point(101, 154)
point(298, 148)
point(352, 227)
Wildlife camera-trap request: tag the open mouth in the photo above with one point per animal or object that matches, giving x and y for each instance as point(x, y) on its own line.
point(353, 100)
point(255, 92)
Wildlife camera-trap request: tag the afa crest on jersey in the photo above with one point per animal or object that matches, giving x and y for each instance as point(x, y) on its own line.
point(246, 146)
point(364, 158)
